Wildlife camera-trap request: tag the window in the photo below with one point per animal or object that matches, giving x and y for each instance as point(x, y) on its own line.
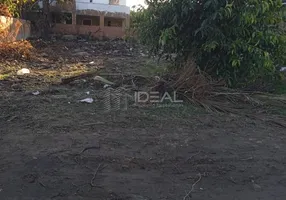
point(61, 18)
point(86, 22)
point(114, 2)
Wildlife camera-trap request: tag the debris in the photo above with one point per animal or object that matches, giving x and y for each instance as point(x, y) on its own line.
point(99, 168)
point(88, 148)
point(81, 40)
point(16, 50)
point(103, 80)
point(136, 197)
point(81, 76)
point(23, 71)
point(88, 92)
point(87, 100)
point(283, 69)
point(36, 93)
point(69, 37)
point(92, 62)
point(106, 86)
point(189, 194)
point(81, 53)
point(256, 187)
point(44, 55)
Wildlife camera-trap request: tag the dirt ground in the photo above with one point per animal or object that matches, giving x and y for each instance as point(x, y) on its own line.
point(54, 147)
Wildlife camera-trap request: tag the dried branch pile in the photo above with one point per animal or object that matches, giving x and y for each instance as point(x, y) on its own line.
point(190, 82)
point(4, 11)
point(16, 50)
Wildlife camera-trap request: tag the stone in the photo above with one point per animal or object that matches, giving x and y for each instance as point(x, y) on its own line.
point(23, 71)
point(69, 37)
point(136, 197)
point(81, 53)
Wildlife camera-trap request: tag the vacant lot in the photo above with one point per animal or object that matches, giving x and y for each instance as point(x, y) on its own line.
point(54, 147)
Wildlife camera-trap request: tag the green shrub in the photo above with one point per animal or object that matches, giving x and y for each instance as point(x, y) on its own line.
point(240, 41)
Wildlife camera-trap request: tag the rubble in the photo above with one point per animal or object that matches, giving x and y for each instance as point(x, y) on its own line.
point(23, 71)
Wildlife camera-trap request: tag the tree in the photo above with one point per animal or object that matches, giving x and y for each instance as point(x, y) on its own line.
point(238, 40)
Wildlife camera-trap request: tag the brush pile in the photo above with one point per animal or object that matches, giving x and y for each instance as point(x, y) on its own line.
point(16, 50)
point(197, 87)
point(4, 11)
point(190, 82)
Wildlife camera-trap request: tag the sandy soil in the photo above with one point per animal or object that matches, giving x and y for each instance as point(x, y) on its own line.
point(53, 147)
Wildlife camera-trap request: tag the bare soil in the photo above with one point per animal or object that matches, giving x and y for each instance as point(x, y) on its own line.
point(53, 147)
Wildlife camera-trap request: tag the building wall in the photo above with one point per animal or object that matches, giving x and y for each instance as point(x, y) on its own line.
point(95, 31)
point(114, 22)
point(109, 18)
point(121, 2)
point(99, 5)
point(95, 20)
point(13, 29)
point(102, 7)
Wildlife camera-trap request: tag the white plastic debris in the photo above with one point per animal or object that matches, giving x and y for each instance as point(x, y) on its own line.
point(87, 100)
point(92, 62)
point(283, 69)
point(106, 86)
point(36, 93)
point(103, 80)
point(23, 71)
point(88, 92)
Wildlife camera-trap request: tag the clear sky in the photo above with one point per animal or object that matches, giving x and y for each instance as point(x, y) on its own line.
point(134, 2)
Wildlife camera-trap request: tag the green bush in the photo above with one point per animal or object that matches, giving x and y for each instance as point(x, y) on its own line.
point(240, 41)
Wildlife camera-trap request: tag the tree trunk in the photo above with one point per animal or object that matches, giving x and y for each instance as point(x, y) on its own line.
point(46, 19)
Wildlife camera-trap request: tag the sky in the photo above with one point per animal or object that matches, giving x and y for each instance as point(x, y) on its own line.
point(130, 3)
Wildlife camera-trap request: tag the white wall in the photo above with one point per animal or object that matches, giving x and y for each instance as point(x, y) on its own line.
point(100, 5)
point(80, 5)
point(121, 2)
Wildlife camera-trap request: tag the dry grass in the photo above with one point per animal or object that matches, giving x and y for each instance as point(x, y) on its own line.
point(16, 50)
point(191, 82)
point(4, 11)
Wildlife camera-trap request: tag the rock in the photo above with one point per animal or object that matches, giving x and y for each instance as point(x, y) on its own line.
point(81, 53)
point(69, 37)
point(44, 55)
point(36, 93)
point(87, 100)
point(136, 197)
point(256, 187)
point(81, 40)
point(23, 71)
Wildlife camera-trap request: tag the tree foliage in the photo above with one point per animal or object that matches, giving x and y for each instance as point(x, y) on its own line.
point(16, 7)
point(239, 40)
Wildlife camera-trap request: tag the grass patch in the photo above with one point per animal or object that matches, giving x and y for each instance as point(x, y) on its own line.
point(280, 88)
point(173, 111)
point(151, 68)
point(4, 77)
